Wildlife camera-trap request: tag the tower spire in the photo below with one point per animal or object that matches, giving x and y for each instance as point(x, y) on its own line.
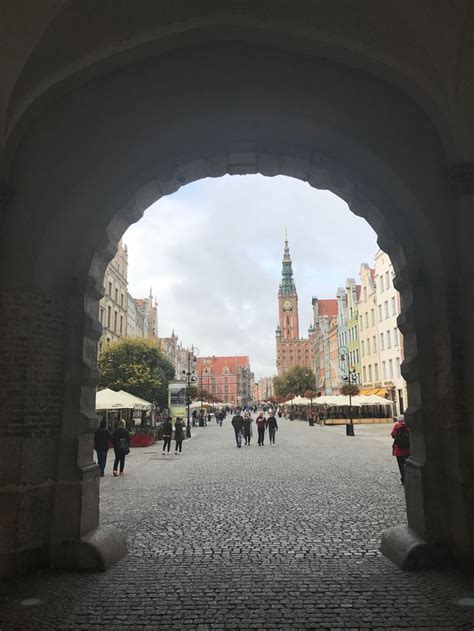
point(287, 284)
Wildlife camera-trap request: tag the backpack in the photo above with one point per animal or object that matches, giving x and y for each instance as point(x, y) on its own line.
point(402, 438)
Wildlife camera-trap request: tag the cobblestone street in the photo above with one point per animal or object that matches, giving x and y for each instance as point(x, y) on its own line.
point(282, 537)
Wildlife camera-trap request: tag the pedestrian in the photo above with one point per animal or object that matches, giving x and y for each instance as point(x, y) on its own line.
point(401, 444)
point(247, 428)
point(101, 445)
point(221, 417)
point(272, 428)
point(167, 431)
point(209, 417)
point(261, 423)
point(238, 425)
point(194, 417)
point(178, 435)
point(121, 441)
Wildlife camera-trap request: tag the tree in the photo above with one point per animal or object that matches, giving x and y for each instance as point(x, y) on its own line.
point(296, 380)
point(137, 366)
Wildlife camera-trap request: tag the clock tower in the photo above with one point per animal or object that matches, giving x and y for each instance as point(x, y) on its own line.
point(288, 300)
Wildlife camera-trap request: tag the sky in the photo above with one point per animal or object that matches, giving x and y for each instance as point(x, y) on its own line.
point(212, 254)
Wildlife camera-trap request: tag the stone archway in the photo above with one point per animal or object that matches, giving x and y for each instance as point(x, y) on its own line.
point(102, 154)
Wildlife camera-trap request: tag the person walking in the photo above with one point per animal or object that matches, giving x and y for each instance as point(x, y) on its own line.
point(272, 428)
point(261, 423)
point(101, 445)
point(238, 425)
point(401, 444)
point(178, 435)
point(247, 428)
point(121, 441)
point(167, 432)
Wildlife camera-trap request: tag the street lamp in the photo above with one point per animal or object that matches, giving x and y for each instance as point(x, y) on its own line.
point(351, 379)
point(190, 378)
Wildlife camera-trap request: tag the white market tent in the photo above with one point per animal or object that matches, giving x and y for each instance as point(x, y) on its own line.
point(357, 401)
point(136, 402)
point(110, 400)
point(197, 404)
point(299, 401)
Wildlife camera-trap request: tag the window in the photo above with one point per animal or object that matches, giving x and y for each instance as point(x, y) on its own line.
point(363, 348)
point(121, 300)
point(365, 294)
point(394, 306)
point(101, 315)
point(384, 370)
point(395, 337)
point(387, 280)
point(370, 373)
point(376, 372)
point(385, 309)
point(367, 319)
point(389, 341)
point(116, 295)
point(115, 321)
point(110, 289)
point(121, 325)
point(397, 367)
point(381, 282)
point(374, 344)
point(109, 316)
point(364, 372)
point(390, 368)
point(361, 323)
point(382, 344)
point(380, 313)
point(368, 346)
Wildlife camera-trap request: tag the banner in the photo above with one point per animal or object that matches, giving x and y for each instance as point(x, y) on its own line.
point(177, 399)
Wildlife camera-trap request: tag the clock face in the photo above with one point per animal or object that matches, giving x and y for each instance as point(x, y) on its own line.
point(287, 305)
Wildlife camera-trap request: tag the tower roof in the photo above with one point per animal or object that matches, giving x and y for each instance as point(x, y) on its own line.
point(287, 284)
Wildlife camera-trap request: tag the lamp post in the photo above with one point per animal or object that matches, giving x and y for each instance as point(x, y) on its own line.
point(351, 379)
point(190, 377)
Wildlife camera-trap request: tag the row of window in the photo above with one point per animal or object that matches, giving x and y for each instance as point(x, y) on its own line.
point(384, 284)
point(118, 327)
point(390, 370)
point(113, 293)
point(386, 339)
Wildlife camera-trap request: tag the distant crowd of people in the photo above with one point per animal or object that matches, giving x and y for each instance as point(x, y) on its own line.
point(242, 423)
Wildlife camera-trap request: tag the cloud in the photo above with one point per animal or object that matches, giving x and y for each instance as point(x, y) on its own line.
point(212, 253)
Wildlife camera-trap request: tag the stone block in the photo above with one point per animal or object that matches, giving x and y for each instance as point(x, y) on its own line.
point(96, 551)
point(409, 551)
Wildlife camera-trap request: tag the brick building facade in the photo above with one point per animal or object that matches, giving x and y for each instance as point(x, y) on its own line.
point(226, 378)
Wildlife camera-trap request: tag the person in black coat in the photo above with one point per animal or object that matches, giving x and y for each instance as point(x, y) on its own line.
point(101, 445)
point(121, 440)
point(179, 435)
point(272, 428)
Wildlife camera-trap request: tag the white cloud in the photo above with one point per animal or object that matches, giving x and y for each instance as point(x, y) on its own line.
point(212, 253)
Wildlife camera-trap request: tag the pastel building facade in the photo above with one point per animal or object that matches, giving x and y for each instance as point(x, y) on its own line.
point(389, 337)
point(368, 328)
point(114, 303)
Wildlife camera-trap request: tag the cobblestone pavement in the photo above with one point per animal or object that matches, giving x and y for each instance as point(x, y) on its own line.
point(282, 537)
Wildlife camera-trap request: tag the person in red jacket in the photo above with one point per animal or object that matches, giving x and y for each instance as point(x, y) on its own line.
point(401, 444)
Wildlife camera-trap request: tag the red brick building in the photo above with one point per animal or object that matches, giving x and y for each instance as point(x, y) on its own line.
point(227, 378)
point(291, 350)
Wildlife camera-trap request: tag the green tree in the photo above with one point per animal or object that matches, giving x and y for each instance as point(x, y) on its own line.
point(296, 380)
point(137, 366)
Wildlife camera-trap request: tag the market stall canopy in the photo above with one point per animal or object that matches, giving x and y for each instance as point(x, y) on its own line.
point(357, 401)
point(299, 400)
point(110, 400)
point(373, 399)
point(197, 404)
point(136, 402)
